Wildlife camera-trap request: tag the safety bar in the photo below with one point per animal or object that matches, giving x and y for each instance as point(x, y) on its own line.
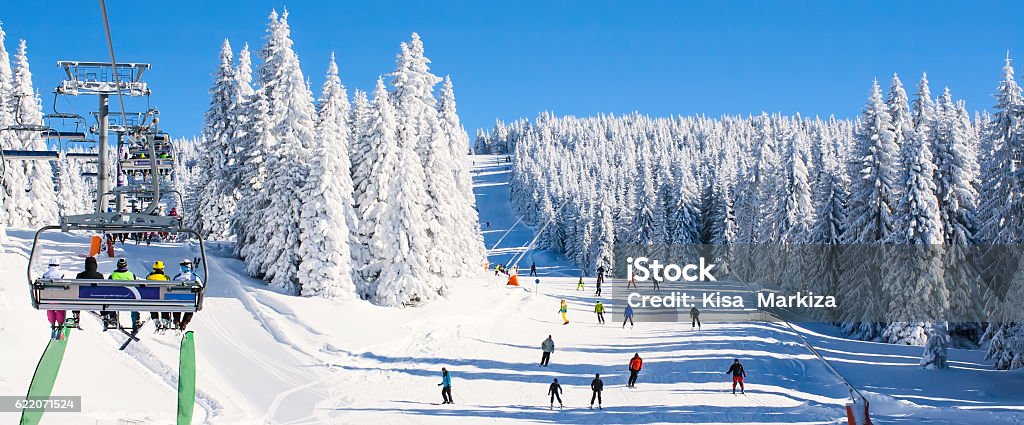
point(164, 287)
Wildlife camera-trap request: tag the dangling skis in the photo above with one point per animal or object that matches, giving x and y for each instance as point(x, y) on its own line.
point(186, 379)
point(45, 376)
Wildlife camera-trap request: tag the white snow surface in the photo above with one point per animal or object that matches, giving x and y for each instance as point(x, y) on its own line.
point(265, 357)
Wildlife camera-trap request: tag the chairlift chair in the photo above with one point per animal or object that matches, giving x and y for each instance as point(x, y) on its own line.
point(118, 295)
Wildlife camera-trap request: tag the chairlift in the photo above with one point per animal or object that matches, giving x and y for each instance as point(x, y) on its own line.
point(118, 295)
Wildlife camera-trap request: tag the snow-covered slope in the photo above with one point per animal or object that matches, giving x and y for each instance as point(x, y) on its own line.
point(266, 357)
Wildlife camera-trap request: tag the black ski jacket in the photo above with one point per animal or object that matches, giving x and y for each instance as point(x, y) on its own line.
point(737, 370)
point(597, 384)
point(555, 388)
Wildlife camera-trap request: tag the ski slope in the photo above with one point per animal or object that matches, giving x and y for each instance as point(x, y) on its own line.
point(269, 358)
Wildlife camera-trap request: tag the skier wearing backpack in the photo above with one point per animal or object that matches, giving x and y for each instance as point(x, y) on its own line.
point(555, 391)
point(599, 309)
point(635, 364)
point(548, 347)
point(55, 318)
point(737, 375)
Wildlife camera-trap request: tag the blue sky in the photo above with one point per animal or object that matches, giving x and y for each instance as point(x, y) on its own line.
point(515, 59)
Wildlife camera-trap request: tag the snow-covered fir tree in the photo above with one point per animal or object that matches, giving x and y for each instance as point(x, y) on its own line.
point(874, 174)
point(215, 200)
point(327, 215)
point(273, 255)
point(35, 205)
point(467, 219)
point(376, 167)
point(913, 279)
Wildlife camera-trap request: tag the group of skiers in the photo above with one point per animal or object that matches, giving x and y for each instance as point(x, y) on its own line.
point(57, 319)
point(505, 270)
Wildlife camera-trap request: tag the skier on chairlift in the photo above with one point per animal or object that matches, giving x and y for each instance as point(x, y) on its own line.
point(122, 273)
point(55, 318)
point(160, 320)
point(91, 272)
point(186, 275)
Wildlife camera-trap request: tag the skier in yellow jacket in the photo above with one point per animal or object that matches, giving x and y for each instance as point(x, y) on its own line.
point(158, 274)
point(564, 309)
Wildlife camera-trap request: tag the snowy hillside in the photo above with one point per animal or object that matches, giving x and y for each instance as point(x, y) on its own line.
point(268, 357)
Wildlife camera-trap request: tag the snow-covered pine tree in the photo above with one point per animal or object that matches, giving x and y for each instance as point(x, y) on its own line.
point(1002, 196)
point(795, 217)
point(956, 180)
point(903, 126)
point(913, 281)
point(471, 244)
point(373, 178)
point(874, 174)
point(406, 277)
point(36, 205)
point(415, 110)
point(12, 177)
point(215, 200)
point(822, 270)
point(327, 215)
point(1000, 183)
point(643, 226)
point(291, 114)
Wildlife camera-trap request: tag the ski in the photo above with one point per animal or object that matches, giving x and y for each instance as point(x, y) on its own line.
point(186, 379)
point(132, 336)
point(45, 376)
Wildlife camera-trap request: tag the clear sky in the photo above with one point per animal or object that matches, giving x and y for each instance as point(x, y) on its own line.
point(516, 58)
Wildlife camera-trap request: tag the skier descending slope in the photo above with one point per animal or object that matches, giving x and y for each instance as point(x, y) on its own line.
point(55, 318)
point(597, 385)
point(635, 364)
point(446, 386)
point(599, 309)
point(737, 375)
point(554, 390)
point(627, 316)
point(564, 309)
point(548, 347)
point(694, 318)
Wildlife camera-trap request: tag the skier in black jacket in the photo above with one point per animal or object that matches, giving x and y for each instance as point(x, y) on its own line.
point(597, 385)
point(91, 272)
point(737, 375)
point(554, 390)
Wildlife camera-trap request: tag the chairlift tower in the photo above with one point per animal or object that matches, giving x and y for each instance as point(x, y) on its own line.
point(103, 79)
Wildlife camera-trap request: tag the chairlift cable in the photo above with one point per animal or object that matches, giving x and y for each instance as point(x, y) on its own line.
point(113, 64)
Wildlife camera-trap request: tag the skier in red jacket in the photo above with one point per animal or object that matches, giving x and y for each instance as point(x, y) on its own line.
point(635, 364)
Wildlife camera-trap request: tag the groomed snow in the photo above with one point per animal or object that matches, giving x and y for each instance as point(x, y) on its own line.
point(266, 357)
